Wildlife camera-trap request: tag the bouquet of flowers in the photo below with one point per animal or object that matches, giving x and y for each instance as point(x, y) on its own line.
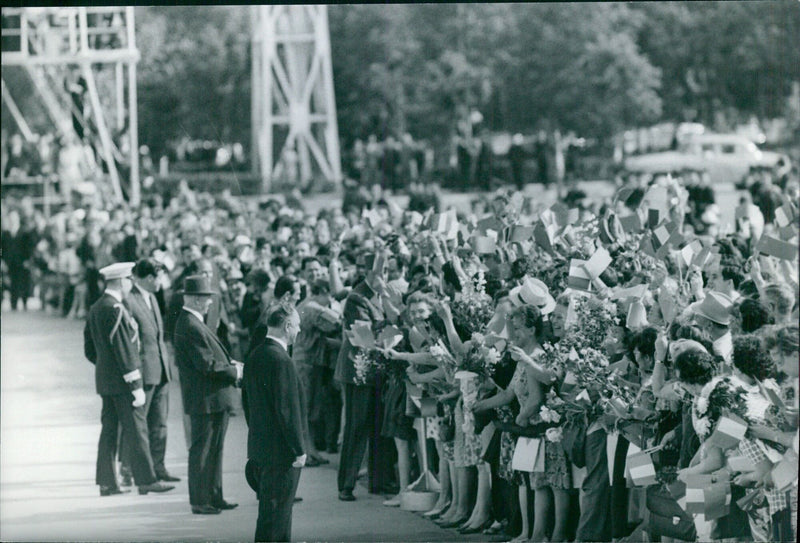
point(363, 366)
point(442, 354)
point(480, 358)
point(723, 398)
point(473, 308)
point(596, 318)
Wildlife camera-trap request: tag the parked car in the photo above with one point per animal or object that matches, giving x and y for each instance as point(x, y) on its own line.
point(726, 157)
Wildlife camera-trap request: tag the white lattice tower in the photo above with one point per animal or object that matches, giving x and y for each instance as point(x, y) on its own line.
point(295, 136)
point(47, 42)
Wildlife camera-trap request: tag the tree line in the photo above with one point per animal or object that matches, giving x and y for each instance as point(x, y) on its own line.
point(594, 69)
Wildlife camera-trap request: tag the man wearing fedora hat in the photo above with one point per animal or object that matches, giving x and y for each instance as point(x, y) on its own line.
point(208, 384)
point(713, 315)
point(111, 343)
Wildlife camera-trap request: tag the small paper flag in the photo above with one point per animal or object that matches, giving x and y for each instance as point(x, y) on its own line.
point(779, 249)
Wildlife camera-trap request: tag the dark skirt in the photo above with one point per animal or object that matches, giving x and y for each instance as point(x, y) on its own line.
point(396, 424)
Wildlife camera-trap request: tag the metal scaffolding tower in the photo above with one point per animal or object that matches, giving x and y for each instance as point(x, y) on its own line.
point(293, 109)
point(50, 42)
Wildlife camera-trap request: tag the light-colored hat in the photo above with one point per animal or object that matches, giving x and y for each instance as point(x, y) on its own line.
point(715, 307)
point(533, 291)
point(241, 239)
point(117, 270)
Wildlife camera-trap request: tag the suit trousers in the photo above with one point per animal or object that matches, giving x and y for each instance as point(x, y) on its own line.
point(118, 411)
point(359, 427)
point(156, 408)
point(326, 408)
point(277, 488)
point(595, 520)
point(205, 457)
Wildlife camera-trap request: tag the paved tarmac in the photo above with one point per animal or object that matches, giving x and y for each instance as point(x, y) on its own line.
point(49, 426)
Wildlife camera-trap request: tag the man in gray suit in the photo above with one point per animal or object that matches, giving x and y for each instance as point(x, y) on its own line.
point(156, 372)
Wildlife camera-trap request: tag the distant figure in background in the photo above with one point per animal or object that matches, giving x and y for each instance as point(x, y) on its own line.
point(516, 156)
point(18, 246)
point(542, 162)
point(483, 164)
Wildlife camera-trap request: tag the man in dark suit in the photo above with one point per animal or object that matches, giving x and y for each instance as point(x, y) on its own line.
point(208, 383)
point(271, 401)
point(156, 370)
point(111, 342)
point(366, 302)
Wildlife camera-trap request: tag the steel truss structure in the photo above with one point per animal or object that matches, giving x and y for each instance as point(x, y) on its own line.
point(51, 42)
point(295, 135)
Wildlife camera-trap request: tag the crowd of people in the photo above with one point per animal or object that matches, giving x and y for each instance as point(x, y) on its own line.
point(585, 371)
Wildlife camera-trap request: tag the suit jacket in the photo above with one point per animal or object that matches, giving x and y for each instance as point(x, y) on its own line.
point(271, 402)
point(152, 349)
point(216, 318)
point(208, 378)
point(357, 306)
point(111, 343)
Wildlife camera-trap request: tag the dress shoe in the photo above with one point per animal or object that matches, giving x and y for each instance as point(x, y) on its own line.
point(167, 478)
point(112, 491)
point(433, 514)
point(321, 461)
point(205, 510)
point(495, 528)
point(155, 487)
point(453, 523)
point(347, 496)
point(298, 499)
point(312, 462)
point(225, 506)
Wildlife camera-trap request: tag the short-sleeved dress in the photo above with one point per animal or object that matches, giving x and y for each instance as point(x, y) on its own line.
point(557, 473)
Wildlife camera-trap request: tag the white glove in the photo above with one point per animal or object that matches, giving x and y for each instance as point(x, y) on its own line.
point(239, 370)
point(138, 397)
point(300, 461)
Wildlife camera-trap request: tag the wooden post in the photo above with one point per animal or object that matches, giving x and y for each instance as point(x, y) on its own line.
point(133, 110)
point(119, 74)
point(15, 112)
point(134, 133)
point(46, 194)
point(331, 127)
point(83, 27)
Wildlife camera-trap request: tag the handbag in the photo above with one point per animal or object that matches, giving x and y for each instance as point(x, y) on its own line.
point(667, 519)
point(528, 455)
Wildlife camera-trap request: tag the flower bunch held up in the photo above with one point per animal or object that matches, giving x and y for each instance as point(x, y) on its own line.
point(472, 308)
point(718, 398)
point(480, 358)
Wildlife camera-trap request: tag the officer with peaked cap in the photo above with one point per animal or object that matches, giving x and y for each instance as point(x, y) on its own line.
point(111, 343)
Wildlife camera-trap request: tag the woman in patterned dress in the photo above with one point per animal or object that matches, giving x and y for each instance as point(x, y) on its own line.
point(526, 330)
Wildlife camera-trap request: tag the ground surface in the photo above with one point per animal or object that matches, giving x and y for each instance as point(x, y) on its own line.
point(50, 423)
